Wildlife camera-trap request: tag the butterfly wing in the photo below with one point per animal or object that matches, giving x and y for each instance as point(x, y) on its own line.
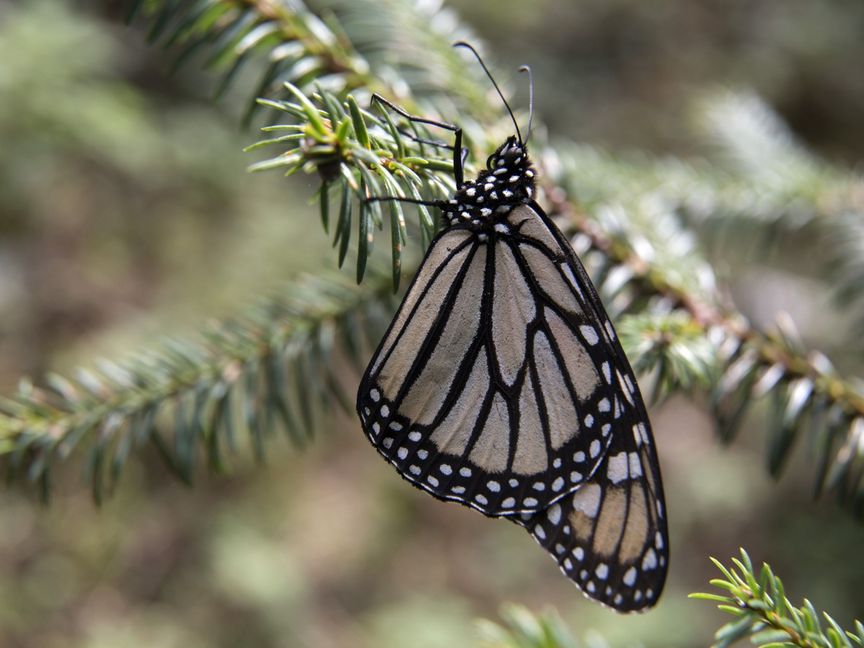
point(609, 536)
point(500, 380)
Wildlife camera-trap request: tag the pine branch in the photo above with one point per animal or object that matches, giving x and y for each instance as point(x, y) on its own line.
point(200, 399)
point(765, 616)
point(639, 253)
point(289, 41)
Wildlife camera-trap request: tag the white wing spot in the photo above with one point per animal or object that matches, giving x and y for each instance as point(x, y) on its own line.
point(557, 462)
point(558, 484)
point(575, 477)
point(529, 501)
point(395, 426)
point(650, 560)
point(616, 469)
point(502, 227)
point(508, 503)
point(606, 429)
point(589, 421)
point(539, 486)
point(635, 466)
point(607, 372)
point(658, 540)
point(587, 500)
point(539, 532)
point(445, 469)
point(579, 553)
point(480, 499)
point(493, 486)
point(385, 411)
point(637, 595)
point(422, 453)
point(603, 405)
point(414, 470)
point(602, 571)
point(458, 490)
point(402, 453)
point(513, 483)
point(589, 334)
point(414, 436)
point(553, 513)
point(594, 448)
point(375, 395)
point(376, 428)
point(579, 457)
point(590, 587)
point(367, 411)
point(432, 480)
point(568, 564)
point(609, 329)
point(559, 548)
point(465, 472)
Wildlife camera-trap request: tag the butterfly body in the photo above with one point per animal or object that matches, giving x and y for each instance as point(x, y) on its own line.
point(501, 384)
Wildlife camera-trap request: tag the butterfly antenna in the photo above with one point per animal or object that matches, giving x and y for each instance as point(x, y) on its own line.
point(526, 68)
point(497, 89)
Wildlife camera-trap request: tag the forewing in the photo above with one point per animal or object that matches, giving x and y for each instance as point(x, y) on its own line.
point(500, 381)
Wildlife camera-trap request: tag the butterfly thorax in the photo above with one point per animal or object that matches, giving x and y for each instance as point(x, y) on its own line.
point(506, 183)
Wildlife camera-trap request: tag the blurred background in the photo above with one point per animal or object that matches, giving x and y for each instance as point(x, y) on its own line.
point(126, 216)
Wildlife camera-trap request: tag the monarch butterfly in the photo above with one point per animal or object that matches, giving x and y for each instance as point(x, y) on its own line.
point(501, 385)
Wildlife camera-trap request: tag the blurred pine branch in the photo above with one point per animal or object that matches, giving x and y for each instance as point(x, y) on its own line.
point(524, 629)
point(634, 222)
point(273, 367)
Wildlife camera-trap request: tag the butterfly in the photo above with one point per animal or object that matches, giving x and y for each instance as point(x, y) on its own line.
point(501, 385)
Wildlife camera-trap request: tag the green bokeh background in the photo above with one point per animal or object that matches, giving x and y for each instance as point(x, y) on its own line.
point(126, 215)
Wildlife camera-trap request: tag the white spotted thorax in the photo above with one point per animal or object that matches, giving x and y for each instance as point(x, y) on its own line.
point(501, 385)
point(508, 181)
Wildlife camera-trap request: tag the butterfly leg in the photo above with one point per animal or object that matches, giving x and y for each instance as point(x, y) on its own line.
point(459, 153)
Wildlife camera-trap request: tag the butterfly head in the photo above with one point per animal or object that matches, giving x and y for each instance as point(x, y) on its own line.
point(506, 183)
